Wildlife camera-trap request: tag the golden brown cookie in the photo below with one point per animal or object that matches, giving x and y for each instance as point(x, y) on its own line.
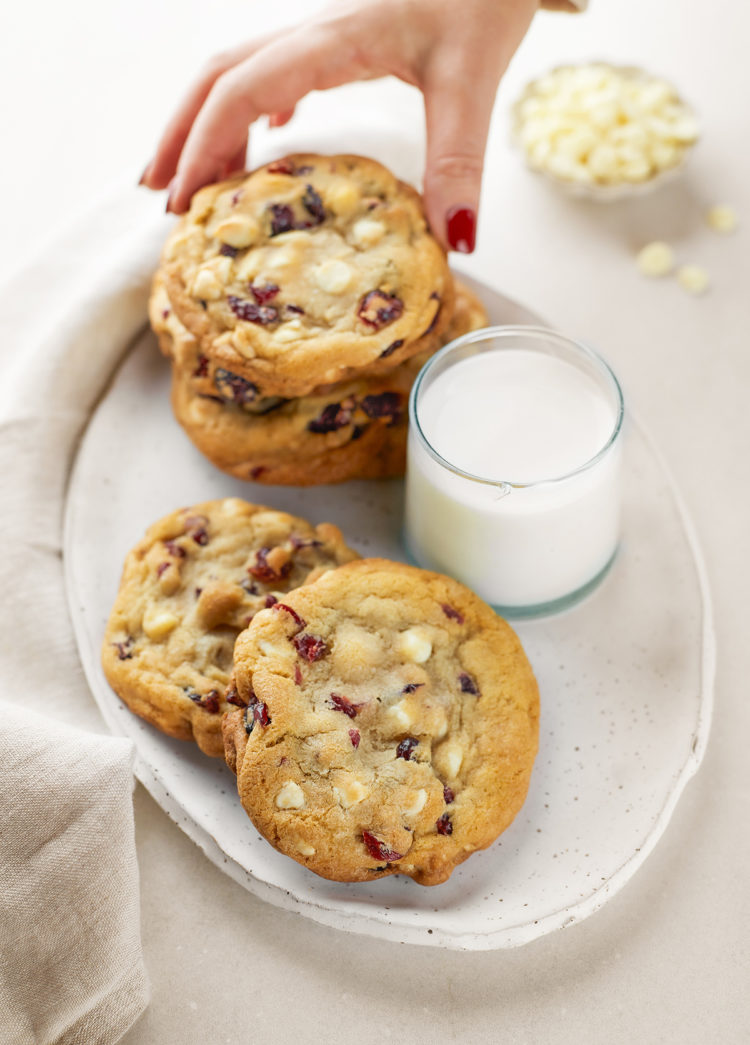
point(189, 586)
point(306, 270)
point(353, 430)
point(390, 725)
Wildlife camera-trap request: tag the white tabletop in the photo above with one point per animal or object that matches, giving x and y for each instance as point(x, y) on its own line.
point(86, 87)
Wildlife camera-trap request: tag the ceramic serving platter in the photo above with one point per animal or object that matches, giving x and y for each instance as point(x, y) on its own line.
point(625, 680)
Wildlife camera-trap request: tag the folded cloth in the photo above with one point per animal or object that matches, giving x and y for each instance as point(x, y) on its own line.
point(71, 967)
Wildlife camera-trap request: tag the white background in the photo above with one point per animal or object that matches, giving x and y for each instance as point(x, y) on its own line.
point(85, 89)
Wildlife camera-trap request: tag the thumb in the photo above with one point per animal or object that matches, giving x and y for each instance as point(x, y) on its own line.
point(457, 125)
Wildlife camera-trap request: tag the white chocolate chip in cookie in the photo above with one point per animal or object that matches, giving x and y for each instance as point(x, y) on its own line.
point(206, 285)
point(239, 231)
point(342, 199)
point(400, 715)
point(417, 803)
point(366, 232)
point(349, 791)
point(655, 259)
point(414, 645)
point(233, 506)
point(693, 278)
point(290, 796)
point(722, 218)
point(304, 848)
point(450, 758)
point(159, 623)
point(357, 652)
point(333, 276)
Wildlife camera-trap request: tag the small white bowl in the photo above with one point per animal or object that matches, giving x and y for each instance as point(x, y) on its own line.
point(600, 188)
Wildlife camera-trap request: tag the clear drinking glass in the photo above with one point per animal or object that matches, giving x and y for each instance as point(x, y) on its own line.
point(526, 546)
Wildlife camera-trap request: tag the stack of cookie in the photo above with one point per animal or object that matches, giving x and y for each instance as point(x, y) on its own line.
point(380, 719)
point(297, 304)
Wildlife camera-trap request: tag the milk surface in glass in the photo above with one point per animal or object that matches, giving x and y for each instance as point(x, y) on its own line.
point(540, 519)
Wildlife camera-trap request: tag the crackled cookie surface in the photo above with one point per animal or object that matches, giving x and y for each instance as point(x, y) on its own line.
point(188, 588)
point(390, 724)
point(354, 429)
point(306, 269)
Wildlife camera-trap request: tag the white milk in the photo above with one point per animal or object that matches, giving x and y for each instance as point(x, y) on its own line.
point(514, 416)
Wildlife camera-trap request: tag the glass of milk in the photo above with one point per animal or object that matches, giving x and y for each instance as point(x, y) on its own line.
point(513, 475)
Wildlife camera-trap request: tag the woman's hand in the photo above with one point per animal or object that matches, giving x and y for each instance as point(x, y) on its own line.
point(455, 53)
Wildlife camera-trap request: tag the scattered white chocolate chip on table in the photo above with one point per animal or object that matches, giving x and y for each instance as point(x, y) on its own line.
point(693, 278)
point(655, 259)
point(722, 218)
point(601, 126)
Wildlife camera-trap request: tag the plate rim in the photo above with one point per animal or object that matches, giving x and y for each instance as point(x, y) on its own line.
point(363, 922)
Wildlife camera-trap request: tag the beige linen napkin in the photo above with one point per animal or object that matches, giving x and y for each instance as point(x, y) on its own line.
point(71, 968)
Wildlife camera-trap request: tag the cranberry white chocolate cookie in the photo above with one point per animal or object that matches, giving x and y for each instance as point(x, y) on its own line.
point(306, 270)
point(390, 723)
point(352, 430)
point(189, 586)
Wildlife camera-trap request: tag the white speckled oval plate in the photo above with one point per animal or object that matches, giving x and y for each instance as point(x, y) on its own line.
point(625, 682)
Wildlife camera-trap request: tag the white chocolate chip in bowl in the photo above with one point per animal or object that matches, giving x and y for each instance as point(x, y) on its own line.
point(604, 131)
point(290, 796)
point(414, 645)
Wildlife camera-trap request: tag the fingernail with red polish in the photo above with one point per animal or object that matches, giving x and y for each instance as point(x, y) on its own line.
point(146, 171)
point(172, 192)
point(461, 226)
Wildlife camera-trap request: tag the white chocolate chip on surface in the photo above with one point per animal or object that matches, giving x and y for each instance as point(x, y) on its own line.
point(417, 804)
point(159, 623)
point(655, 259)
point(333, 276)
point(290, 796)
point(693, 278)
point(603, 125)
point(722, 218)
point(414, 645)
point(304, 848)
point(349, 791)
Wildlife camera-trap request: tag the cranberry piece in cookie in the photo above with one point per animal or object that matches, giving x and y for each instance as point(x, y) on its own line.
point(331, 418)
point(406, 748)
point(263, 315)
point(309, 647)
point(233, 388)
point(379, 850)
point(282, 218)
point(340, 703)
point(313, 204)
point(264, 293)
point(377, 309)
